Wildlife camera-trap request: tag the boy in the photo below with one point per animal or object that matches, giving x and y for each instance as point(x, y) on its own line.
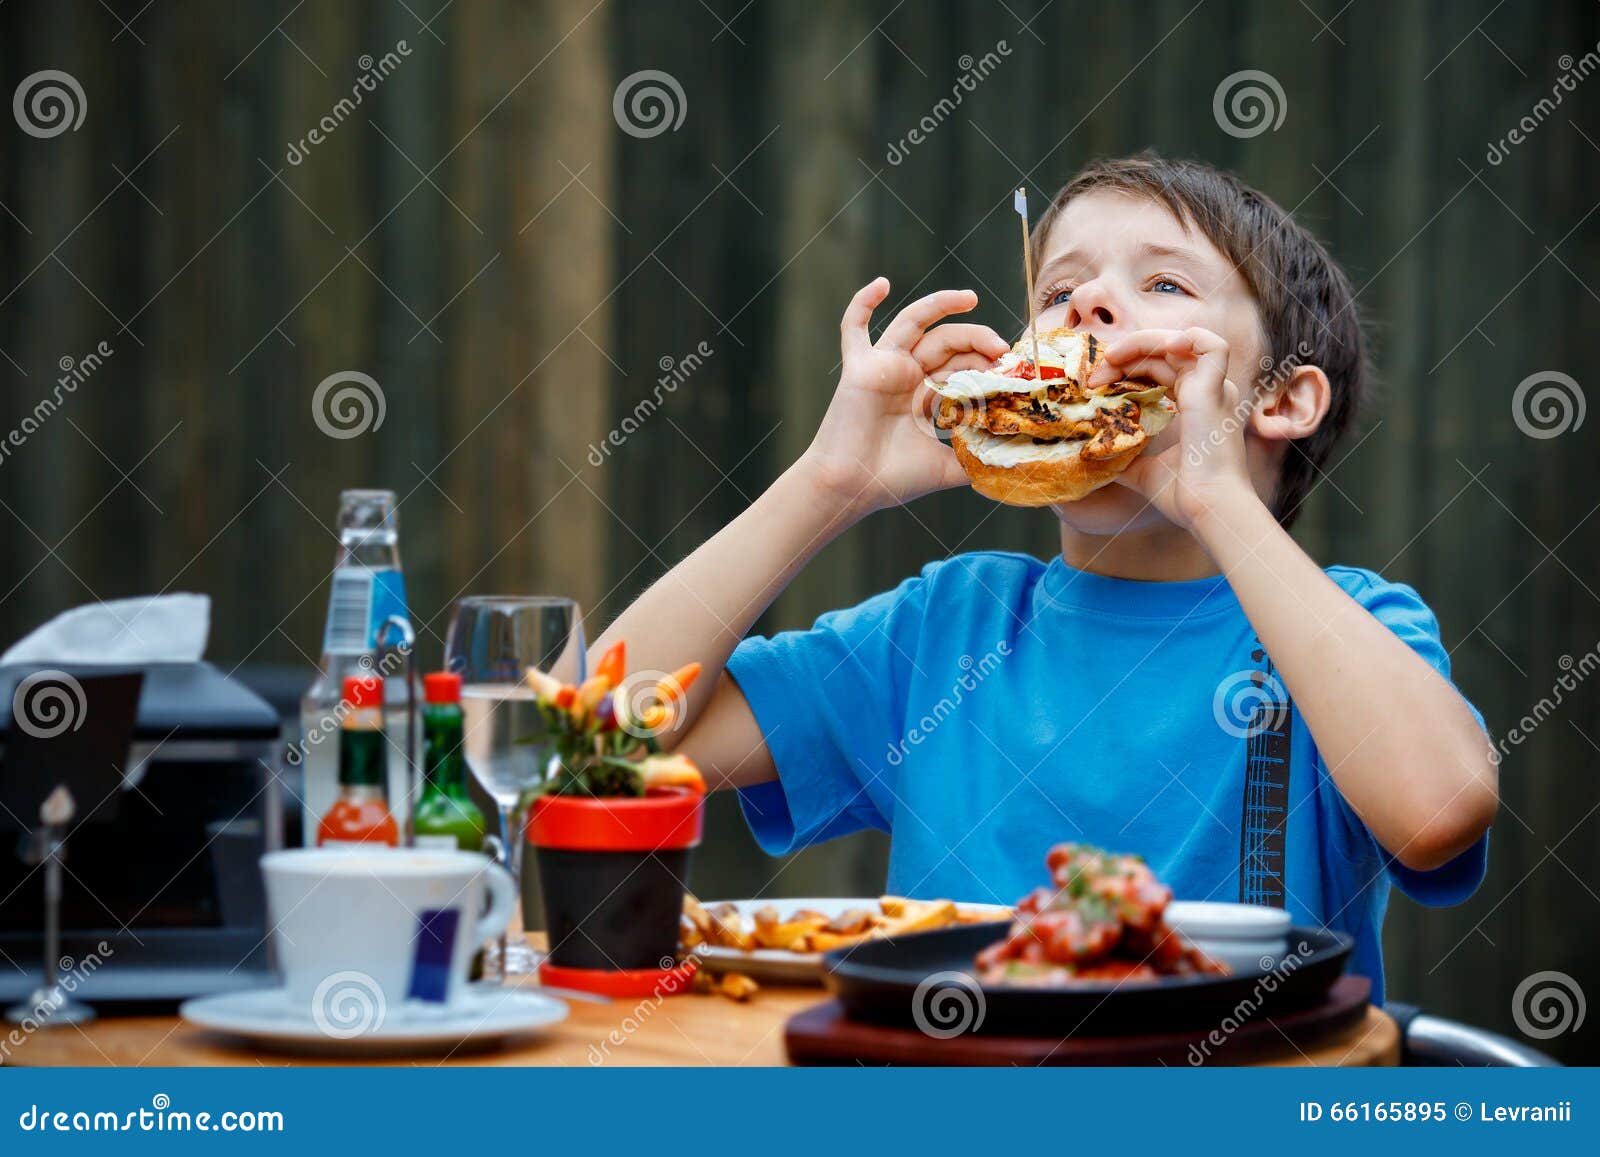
point(1181, 682)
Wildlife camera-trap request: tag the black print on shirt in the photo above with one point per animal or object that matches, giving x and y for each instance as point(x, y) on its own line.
point(1262, 829)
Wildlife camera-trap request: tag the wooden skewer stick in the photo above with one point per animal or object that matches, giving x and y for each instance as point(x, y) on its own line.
point(1020, 203)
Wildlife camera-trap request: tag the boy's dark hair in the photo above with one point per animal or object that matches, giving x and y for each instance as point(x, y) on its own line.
point(1308, 310)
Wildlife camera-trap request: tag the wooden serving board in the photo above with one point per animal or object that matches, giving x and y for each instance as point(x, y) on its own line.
point(1342, 1030)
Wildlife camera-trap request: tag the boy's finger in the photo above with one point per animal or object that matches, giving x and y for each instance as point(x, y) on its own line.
point(1156, 368)
point(1202, 394)
point(943, 342)
point(1135, 476)
point(1204, 358)
point(908, 326)
point(853, 335)
point(966, 361)
point(1195, 345)
point(1146, 475)
point(1145, 346)
point(954, 474)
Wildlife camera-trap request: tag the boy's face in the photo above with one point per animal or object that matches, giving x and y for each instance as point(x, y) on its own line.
point(1113, 264)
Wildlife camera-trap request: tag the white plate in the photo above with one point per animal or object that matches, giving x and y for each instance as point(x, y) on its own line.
point(780, 967)
point(487, 1013)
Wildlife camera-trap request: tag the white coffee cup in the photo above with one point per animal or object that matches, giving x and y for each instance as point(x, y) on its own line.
point(364, 935)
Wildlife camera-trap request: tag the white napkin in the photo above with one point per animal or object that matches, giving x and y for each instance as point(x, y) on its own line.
point(149, 629)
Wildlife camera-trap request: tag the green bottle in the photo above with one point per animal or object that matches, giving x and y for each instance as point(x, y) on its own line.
point(445, 816)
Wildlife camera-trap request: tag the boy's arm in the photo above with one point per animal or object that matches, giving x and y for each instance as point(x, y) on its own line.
point(1400, 743)
point(702, 607)
point(870, 451)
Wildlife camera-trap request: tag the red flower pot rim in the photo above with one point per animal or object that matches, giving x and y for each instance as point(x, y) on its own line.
point(635, 982)
point(667, 817)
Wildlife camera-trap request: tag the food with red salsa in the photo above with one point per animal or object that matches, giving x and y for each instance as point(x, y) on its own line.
point(1099, 922)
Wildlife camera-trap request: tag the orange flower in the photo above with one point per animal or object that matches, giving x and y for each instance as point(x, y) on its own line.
point(588, 696)
point(675, 685)
point(612, 665)
point(671, 771)
point(546, 687)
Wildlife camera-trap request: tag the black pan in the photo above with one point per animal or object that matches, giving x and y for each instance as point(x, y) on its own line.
point(927, 980)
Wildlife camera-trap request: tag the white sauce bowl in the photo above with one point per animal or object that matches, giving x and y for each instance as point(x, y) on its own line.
point(1245, 937)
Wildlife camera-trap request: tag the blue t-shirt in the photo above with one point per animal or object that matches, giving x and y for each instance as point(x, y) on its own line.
point(995, 705)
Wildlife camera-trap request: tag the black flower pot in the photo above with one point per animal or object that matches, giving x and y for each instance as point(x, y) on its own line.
point(611, 874)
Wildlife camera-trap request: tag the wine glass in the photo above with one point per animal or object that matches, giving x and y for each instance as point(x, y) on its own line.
point(492, 641)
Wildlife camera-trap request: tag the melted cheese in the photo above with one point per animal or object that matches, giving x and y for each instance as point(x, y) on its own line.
point(1063, 351)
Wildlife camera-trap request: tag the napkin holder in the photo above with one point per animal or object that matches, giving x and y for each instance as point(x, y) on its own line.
point(163, 889)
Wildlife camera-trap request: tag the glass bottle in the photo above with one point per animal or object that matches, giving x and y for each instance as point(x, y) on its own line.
point(360, 815)
point(367, 588)
point(445, 816)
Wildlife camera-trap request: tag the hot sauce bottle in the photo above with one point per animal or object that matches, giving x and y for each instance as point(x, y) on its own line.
point(361, 813)
point(445, 816)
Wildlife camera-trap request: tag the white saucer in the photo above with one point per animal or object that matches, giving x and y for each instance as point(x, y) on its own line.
point(485, 1014)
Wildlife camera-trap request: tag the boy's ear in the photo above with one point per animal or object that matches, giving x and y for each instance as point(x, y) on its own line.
point(1295, 408)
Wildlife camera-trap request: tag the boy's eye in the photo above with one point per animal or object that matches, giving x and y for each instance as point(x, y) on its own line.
point(1163, 285)
point(1058, 296)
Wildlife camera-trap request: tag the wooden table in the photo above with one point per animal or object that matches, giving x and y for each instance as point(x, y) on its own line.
point(694, 1029)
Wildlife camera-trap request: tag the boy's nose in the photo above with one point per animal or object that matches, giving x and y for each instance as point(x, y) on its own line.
point(1091, 307)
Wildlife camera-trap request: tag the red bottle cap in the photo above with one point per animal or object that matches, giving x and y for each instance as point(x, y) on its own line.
point(363, 691)
point(441, 687)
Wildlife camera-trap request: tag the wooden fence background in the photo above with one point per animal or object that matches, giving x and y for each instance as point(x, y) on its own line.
point(517, 273)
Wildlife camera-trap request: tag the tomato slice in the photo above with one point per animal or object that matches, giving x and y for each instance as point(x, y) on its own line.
point(1026, 369)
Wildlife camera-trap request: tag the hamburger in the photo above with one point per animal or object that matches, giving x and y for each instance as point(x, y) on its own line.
point(1032, 435)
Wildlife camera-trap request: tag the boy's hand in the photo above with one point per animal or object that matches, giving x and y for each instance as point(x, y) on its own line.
point(872, 449)
point(1207, 464)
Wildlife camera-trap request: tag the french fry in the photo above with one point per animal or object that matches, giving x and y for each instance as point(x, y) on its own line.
point(737, 986)
point(694, 924)
point(695, 911)
point(789, 935)
point(806, 930)
point(998, 916)
point(922, 916)
point(828, 941)
point(851, 922)
point(728, 930)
